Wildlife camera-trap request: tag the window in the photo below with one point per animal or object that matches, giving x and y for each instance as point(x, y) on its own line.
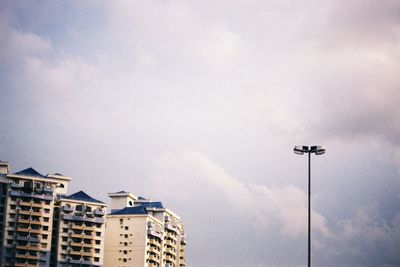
point(121, 220)
point(126, 228)
point(46, 210)
point(125, 252)
point(46, 219)
point(126, 235)
point(124, 260)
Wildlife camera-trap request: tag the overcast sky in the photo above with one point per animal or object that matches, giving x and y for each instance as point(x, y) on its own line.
point(199, 104)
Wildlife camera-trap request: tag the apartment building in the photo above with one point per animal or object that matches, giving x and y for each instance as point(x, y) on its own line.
point(79, 231)
point(41, 226)
point(28, 216)
point(140, 232)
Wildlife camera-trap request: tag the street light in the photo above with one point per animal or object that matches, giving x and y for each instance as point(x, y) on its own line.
point(317, 150)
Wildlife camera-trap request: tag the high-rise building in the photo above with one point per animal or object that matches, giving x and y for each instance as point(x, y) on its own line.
point(41, 226)
point(28, 216)
point(140, 232)
point(79, 231)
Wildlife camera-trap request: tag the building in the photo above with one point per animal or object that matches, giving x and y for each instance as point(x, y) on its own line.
point(79, 231)
point(140, 232)
point(42, 226)
point(33, 218)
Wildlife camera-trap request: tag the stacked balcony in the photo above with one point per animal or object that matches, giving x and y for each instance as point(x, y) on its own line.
point(81, 234)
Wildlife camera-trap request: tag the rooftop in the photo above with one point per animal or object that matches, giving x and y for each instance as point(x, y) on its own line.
point(142, 209)
point(82, 196)
point(30, 172)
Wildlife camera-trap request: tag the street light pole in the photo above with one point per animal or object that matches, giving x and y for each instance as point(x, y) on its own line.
point(309, 209)
point(318, 150)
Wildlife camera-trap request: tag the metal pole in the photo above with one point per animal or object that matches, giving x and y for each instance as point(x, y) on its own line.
point(309, 209)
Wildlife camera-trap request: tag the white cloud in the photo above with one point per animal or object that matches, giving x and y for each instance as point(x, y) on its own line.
point(264, 204)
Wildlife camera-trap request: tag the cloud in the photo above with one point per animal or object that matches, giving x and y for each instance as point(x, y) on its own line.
point(364, 239)
point(287, 204)
point(98, 90)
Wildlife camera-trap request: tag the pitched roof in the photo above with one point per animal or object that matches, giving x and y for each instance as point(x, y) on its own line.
point(30, 172)
point(142, 209)
point(157, 205)
point(82, 196)
point(131, 210)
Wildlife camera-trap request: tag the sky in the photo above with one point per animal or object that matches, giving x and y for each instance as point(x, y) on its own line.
point(199, 104)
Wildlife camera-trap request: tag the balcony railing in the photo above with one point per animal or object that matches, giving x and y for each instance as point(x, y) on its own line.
point(15, 193)
point(16, 185)
point(70, 217)
point(152, 232)
point(171, 227)
point(99, 212)
point(183, 239)
point(67, 209)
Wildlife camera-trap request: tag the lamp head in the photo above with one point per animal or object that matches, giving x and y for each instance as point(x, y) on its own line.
point(300, 150)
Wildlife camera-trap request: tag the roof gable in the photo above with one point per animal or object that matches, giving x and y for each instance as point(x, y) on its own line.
point(30, 172)
point(82, 196)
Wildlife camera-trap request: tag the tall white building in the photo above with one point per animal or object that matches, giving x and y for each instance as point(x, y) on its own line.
point(41, 226)
point(140, 232)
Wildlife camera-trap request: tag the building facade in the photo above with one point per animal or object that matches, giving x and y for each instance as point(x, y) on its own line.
point(79, 231)
point(42, 226)
point(140, 232)
point(36, 226)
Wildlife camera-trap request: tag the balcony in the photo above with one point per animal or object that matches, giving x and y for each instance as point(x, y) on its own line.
point(170, 227)
point(48, 190)
point(81, 236)
point(154, 233)
point(99, 220)
point(67, 209)
point(169, 250)
point(154, 250)
point(171, 235)
point(29, 230)
point(15, 185)
point(15, 193)
point(77, 227)
point(154, 241)
point(70, 217)
point(99, 212)
point(30, 212)
point(75, 244)
point(169, 258)
point(183, 239)
point(27, 256)
point(80, 262)
point(29, 247)
point(169, 242)
point(153, 258)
